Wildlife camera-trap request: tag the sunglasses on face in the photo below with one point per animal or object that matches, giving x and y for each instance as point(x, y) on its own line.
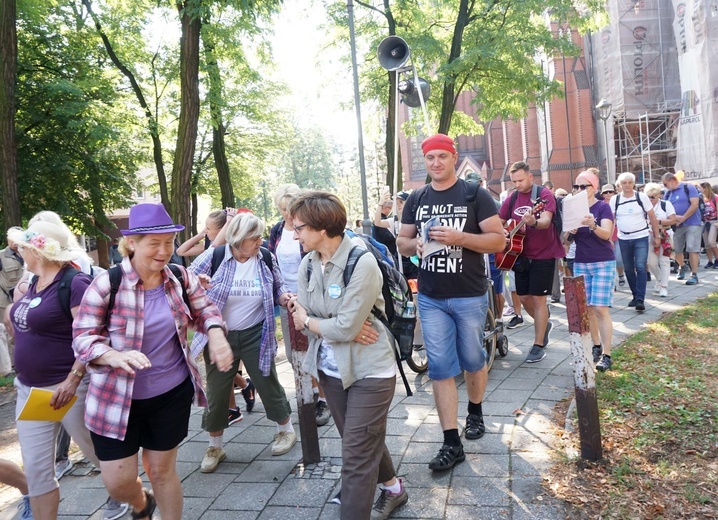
point(652, 197)
point(580, 186)
point(608, 192)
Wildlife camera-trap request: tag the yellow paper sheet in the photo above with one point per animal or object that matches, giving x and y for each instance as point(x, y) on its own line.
point(37, 407)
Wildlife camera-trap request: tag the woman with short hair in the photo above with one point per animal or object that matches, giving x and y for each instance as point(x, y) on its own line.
point(659, 258)
point(350, 351)
point(245, 287)
point(143, 379)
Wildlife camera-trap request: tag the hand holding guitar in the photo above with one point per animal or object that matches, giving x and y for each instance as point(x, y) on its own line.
point(514, 239)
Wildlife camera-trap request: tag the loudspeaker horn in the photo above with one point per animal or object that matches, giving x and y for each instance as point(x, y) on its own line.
point(410, 94)
point(393, 53)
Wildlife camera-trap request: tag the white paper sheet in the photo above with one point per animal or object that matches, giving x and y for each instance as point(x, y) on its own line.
point(575, 209)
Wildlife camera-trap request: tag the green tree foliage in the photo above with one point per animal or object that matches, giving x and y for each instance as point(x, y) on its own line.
point(74, 136)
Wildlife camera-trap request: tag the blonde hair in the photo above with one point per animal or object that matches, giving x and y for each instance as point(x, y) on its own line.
point(652, 188)
point(285, 193)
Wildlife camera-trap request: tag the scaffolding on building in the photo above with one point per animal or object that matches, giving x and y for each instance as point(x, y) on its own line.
point(646, 146)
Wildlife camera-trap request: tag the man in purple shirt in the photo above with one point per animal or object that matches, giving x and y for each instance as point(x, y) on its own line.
point(542, 246)
point(684, 198)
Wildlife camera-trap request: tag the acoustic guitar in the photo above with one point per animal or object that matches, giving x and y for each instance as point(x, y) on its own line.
point(515, 240)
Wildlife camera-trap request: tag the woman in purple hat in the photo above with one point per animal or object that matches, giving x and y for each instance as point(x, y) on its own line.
point(143, 379)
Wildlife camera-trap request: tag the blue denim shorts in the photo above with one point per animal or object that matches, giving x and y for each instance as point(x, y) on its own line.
point(453, 334)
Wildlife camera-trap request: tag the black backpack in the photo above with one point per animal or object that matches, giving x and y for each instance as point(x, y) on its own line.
point(218, 256)
point(397, 295)
point(472, 190)
point(64, 289)
point(557, 218)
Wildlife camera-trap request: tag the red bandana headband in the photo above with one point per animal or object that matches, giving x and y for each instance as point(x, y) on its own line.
point(438, 142)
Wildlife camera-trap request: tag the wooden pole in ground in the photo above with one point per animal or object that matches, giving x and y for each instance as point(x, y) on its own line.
point(305, 396)
point(589, 427)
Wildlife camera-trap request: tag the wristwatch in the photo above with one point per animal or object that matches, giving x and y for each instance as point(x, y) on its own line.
point(77, 373)
point(306, 323)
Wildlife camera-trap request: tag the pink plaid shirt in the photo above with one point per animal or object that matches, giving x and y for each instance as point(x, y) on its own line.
point(107, 407)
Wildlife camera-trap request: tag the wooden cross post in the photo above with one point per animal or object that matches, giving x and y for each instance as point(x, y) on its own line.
point(305, 396)
point(589, 427)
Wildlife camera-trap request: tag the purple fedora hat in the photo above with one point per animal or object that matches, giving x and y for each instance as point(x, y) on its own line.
point(150, 218)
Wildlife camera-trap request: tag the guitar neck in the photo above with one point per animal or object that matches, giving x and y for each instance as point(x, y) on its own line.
point(516, 229)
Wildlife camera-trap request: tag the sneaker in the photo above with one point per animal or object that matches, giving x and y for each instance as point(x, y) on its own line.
point(447, 458)
point(25, 509)
point(387, 502)
point(536, 354)
point(234, 416)
point(114, 509)
point(632, 303)
point(663, 293)
point(212, 457)
point(715, 264)
point(516, 321)
point(640, 306)
point(323, 413)
point(597, 351)
point(509, 311)
point(682, 273)
point(337, 498)
point(555, 300)
point(62, 468)
point(283, 442)
point(621, 281)
point(475, 427)
point(547, 334)
point(604, 363)
point(709, 265)
point(248, 392)
point(693, 280)
point(656, 288)
point(150, 506)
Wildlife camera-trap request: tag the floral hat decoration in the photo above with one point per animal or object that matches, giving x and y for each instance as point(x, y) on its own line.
point(50, 240)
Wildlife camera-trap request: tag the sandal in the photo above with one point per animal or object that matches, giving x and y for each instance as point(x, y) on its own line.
point(150, 506)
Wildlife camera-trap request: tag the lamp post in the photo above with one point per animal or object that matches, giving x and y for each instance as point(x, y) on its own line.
point(366, 223)
point(604, 112)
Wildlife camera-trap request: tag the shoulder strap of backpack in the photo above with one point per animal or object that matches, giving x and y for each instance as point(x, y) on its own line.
point(266, 256)
point(663, 205)
point(685, 188)
point(115, 273)
point(472, 190)
point(640, 203)
point(535, 191)
point(217, 257)
point(64, 290)
point(514, 196)
point(418, 195)
point(354, 255)
point(177, 271)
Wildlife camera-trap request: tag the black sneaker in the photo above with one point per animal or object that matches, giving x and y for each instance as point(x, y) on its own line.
point(516, 321)
point(632, 303)
point(709, 265)
point(475, 427)
point(234, 416)
point(337, 498)
point(640, 306)
point(547, 334)
point(248, 392)
point(447, 458)
point(604, 364)
point(597, 351)
point(536, 354)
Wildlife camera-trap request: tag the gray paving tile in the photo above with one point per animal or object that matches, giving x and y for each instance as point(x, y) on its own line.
point(429, 503)
point(420, 476)
point(484, 513)
point(266, 471)
point(283, 513)
point(244, 497)
point(479, 491)
point(302, 493)
point(483, 465)
point(206, 485)
point(195, 507)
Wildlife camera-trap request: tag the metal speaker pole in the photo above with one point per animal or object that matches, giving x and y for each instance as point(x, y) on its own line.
point(393, 53)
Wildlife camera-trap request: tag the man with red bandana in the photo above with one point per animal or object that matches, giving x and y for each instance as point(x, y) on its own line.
point(452, 287)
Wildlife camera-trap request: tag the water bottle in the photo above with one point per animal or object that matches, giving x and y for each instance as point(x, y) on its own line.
point(409, 310)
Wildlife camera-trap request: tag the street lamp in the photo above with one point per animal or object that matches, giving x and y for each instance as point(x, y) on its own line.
point(604, 112)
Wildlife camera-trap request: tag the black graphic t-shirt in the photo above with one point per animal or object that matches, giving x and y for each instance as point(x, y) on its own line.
point(454, 272)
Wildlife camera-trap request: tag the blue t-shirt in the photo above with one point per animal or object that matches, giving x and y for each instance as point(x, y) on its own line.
point(589, 247)
point(681, 203)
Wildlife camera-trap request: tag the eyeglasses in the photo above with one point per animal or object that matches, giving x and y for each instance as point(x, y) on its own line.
point(580, 186)
point(607, 192)
point(652, 197)
point(297, 229)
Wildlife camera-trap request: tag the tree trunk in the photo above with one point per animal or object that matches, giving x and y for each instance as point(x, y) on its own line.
point(218, 129)
point(448, 99)
point(151, 121)
point(189, 115)
point(8, 157)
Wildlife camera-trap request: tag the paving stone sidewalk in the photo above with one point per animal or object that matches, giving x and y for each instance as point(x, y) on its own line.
point(501, 477)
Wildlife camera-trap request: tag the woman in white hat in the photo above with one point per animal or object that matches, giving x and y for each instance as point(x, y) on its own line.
point(42, 328)
point(143, 378)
